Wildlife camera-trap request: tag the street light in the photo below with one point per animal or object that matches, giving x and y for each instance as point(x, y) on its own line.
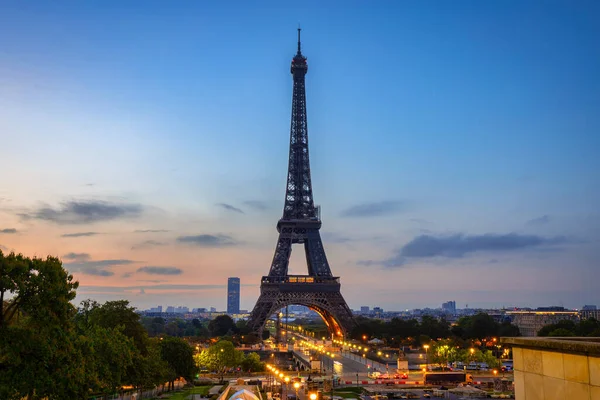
point(426, 347)
point(313, 396)
point(296, 386)
point(472, 351)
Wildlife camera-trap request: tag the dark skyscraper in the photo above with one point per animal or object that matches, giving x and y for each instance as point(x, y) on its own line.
point(233, 296)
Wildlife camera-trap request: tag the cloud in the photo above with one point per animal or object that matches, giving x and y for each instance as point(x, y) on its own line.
point(84, 212)
point(543, 220)
point(420, 221)
point(459, 245)
point(161, 270)
point(367, 263)
point(96, 268)
point(80, 234)
point(97, 272)
point(229, 207)
point(333, 237)
point(374, 209)
point(205, 240)
point(256, 205)
point(150, 230)
point(3, 248)
point(8, 230)
point(77, 256)
point(162, 287)
point(147, 244)
point(127, 275)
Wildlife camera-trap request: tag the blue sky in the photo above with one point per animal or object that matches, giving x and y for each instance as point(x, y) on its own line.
point(453, 146)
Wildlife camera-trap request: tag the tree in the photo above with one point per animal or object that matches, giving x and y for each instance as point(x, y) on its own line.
point(118, 313)
point(252, 363)
point(220, 357)
point(443, 352)
point(221, 326)
point(112, 354)
point(40, 353)
point(179, 355)
point(565, 325)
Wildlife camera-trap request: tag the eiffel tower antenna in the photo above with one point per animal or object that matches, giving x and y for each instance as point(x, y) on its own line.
point(299, 29)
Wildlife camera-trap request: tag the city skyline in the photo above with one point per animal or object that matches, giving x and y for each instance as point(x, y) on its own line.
point(452, 148)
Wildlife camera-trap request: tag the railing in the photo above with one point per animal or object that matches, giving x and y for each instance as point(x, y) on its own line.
point(300, 279)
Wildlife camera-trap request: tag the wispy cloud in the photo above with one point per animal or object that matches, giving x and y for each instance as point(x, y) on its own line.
point(84, 212)
point(256, 205)
point(205, 240)
point(333, 237)
point(77, 256)
point(229, 207)
point(543, 220)
point(8, 230)
point(162, 287)
point(160, 270)
point(150, 230)
point(147, 244)
point(459, 245)
point(80, 234)
point(376, 209)
point(97, 267)
point(3, 248)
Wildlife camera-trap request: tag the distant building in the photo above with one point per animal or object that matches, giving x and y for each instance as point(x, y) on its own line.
point(170, 309)
point(588, 312)
point(212, 309)
point(364, 309)
point(377, 311)
point(233, 296)
point(449, 307)
point(530, 322)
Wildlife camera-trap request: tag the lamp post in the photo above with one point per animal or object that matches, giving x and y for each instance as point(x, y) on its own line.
point(472, 351)
point(287, 380)
point(296, 387)
point(426, 347)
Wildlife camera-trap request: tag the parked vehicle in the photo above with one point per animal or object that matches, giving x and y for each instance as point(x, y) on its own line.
point(443, 377)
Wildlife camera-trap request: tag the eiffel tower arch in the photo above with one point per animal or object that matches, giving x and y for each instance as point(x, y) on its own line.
point(319, 290)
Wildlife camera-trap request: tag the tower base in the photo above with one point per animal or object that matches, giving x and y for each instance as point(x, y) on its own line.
point(319, 294)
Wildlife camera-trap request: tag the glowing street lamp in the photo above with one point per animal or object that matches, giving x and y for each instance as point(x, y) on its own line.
point(426, 347)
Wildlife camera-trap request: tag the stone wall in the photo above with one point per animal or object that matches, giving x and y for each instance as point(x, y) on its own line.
point(556, 368)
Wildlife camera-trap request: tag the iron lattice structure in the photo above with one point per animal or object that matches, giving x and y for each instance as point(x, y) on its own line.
point(300, 224)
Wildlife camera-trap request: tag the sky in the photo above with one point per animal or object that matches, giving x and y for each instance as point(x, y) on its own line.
point(454, 147)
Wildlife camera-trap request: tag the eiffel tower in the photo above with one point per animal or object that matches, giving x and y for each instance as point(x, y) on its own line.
point(300, 224)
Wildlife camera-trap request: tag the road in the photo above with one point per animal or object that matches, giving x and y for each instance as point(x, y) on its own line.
point(351, 367)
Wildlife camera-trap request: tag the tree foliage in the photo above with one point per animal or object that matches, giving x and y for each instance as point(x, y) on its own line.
point(221, 326)
point(399, 331)
point(587, 327)
point(40, 354)
point(49, 350)
point(179, 355)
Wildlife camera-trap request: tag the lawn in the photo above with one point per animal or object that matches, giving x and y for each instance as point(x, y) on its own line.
point(201, 390)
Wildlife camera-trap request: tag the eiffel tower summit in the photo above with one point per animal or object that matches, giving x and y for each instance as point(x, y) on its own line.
point(319, 290)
